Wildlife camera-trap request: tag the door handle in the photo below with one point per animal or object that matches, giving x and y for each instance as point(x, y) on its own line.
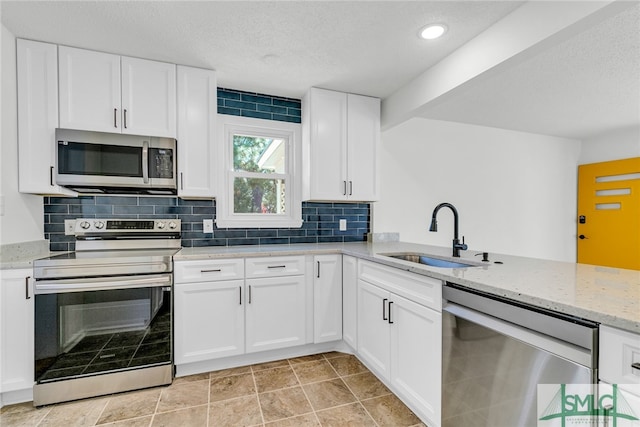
point(582, 237)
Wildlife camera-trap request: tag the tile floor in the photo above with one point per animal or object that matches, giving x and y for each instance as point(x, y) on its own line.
point(331, 389)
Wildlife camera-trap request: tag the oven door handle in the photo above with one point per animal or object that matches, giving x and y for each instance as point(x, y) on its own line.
point(101, 284)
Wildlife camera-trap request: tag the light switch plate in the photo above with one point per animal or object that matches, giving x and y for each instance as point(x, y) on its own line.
point(343, 225)
point(207, 226)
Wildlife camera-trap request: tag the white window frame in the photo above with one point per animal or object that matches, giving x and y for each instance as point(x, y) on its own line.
point(292, 134)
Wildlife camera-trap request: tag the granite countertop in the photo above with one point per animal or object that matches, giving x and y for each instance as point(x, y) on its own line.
point(609, 296)
point(22, 255)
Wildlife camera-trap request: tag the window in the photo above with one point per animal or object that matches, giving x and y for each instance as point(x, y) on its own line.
point(261, 182)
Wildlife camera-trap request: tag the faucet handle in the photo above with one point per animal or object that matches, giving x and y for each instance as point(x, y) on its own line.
point(463, 246)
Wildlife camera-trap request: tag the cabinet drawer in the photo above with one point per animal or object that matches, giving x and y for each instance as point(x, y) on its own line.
point(208, 270)
point(275, 266)
point(415, 287)
point(618, 351)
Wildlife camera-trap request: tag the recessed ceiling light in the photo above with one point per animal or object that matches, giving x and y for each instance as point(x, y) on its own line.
point(432, 31)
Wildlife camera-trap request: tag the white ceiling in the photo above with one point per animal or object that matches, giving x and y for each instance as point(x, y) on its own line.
point(582, 87)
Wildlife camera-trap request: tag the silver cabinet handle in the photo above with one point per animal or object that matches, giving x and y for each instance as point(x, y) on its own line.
point(277, 266)
point(181, 181)
point(384, 309)
point(125, 118)
point(344, 188)
point(214, 270)
point(390, 321)
point(351, 188)
point(249, 294)
point(635, 366)
point(318, 269)
point(607, 408)
point(26, 287)
point(115, 117)
point(51, 176)
point(240, 289)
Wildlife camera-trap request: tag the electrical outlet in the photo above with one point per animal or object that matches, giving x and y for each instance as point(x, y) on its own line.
point(343, 225)
point(207, 226)
point(69, 226)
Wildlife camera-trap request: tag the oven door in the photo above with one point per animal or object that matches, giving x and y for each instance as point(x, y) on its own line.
point(92, 326)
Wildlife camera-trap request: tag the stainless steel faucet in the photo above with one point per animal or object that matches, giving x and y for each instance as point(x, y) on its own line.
point(457, 246)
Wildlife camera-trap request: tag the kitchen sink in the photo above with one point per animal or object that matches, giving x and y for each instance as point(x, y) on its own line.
point(432, 261)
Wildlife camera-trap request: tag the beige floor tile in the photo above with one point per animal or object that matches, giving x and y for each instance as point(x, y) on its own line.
point(270, 365)
point(347, 365)
point(352, 415)
point(305, 359)
point(334, 354)
point(285, 403)
point(81, 413)
point(327, 394)
point(130, 405)
point(190, 378)
point(132, 422)
point(307, 420)
point(231, 387)
point(189, 417)
point(317, 370)
point(23, 414)
point(229, 372)
point(389, 411)
point(184, 396)
point(241, 412)
point(275, 379)
point(365, 385)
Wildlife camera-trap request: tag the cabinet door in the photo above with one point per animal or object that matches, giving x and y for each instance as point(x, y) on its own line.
point(363, 138)
point(327, 298)
point(325, 144)
point(89, 90)
point(37, 74)
point(373, 327)
point(148, 97)
point(197, 109)
point(275, 313)
point(209, 320)
point(416, 355)
point(349, 300)
point(17, 324)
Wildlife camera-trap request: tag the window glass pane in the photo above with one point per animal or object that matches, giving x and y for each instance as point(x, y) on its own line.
point(258, 195)
point(256, 154)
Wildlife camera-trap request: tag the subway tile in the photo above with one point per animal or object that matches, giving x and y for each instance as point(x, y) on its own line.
point(183, 202)
point(308, 239)
point(230, 234)
point(283, 118)
point(291, 232)
point(241, 105)
point(238, 242)
point(156, 201)
point(116, 200)
point(61, 247)
point(208, 242)
point(133, 210)
point(173, 210)
point(54, 228)
point(262, 233)
point(357, 238)
point(255, 114)
point(256, 99)
point(289, 103)
point(271, 109)
point(330, 211)
point(330, 239)
point(274, 241)
point(296, 112)
point(228, 94)
point(86, 210)
point(229, 111)
point(57, 209)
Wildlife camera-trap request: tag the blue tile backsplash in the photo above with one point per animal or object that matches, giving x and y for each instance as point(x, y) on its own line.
point(321, 220)
point(238, 103)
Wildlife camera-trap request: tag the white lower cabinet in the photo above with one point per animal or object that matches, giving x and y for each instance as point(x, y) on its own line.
point(209, 320)
point(275, 313)
point(401, 340)
point(16, 332)
point(327, 298)
point(349, 300)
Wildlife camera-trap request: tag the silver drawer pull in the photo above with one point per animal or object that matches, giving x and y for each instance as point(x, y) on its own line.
point(277, 266)
point(215, 270)
point(635, 366)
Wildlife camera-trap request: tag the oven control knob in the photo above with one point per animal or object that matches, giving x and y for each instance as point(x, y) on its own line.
point(85, 225)
point(98, 224)
point(160, 225)
point(172, 225)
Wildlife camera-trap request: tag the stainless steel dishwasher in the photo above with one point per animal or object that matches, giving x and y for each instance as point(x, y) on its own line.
point(496, 352)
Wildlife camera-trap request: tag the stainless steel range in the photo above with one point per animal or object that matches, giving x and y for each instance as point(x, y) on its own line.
point(103, 314)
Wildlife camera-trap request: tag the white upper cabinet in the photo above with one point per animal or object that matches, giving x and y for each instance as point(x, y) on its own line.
point(197, 109)
point(37, 74)
point(108, 93)
point(341, 134)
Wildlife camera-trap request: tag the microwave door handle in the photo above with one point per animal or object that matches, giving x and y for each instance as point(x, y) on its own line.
point(145, 162)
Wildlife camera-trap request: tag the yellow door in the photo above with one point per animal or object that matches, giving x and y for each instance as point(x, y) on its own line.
point(609, 213)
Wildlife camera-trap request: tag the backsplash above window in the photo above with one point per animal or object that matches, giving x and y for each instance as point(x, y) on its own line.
point(321, 220)
point(259, 106)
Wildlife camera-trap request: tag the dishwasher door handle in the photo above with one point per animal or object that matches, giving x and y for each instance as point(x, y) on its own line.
point(544, 342)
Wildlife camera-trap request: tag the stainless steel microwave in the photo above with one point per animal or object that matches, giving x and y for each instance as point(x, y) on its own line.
point(97, 162)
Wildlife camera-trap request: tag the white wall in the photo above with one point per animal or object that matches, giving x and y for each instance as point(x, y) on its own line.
point(22, 219)
point(619, 144)
point(515, 192)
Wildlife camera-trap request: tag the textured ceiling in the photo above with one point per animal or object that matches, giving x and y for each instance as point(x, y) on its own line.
point(586, 86)
point(275, 47)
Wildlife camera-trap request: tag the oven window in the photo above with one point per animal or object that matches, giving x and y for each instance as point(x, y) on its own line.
point(77, 158)
point(79, 334)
